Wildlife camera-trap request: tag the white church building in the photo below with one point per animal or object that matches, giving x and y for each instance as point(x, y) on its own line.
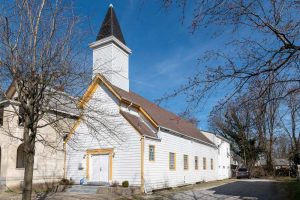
point(135, 140)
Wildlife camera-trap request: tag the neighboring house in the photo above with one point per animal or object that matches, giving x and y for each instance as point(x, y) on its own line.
point(278, 163)
point(236, 161)
point(154, 149)
point(224, 157)
point(49, 161)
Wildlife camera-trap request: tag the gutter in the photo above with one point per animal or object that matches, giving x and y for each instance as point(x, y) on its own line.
point(50, 109)
point(153, 138)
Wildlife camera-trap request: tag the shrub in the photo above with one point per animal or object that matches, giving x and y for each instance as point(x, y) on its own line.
point(66, 182)
point(258, 172)
point(114, 184)
point(125, 184)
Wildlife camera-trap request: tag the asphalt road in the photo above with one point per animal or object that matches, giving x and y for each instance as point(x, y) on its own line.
point(253, 189)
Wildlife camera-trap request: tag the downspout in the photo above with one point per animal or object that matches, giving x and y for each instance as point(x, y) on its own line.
point(142, 164)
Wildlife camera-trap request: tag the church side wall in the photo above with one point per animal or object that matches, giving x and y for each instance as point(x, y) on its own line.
point(157, 173)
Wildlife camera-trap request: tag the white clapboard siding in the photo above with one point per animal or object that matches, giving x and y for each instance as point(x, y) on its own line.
point(224, 170)
point(223, 164)
point(157, 173)
point(127, 145)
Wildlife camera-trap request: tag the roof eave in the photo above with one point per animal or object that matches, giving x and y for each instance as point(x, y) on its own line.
point(110, 39)
point(186, 136)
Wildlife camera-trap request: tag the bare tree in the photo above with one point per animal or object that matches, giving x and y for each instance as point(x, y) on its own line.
point(233, 122)
point(39, 58)
point(262, 57)
point(266, 44)
point(36, 54)
point(290, 125)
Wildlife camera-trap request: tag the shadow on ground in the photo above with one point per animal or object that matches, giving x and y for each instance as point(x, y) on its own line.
point(261, 190)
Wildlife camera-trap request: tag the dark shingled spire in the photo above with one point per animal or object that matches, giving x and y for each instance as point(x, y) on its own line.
point(110, 26)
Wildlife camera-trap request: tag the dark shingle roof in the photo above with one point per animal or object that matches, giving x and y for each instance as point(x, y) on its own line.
point(163, 117)
point(139, 124)
point(110, 26)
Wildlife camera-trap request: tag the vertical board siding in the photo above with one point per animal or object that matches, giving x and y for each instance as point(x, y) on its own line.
point(125, 142)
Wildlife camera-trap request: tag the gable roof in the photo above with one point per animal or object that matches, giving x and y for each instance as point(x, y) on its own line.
point(110, 26)
point(139, 124)
point(163, 117)
point(157, 115)
point(59, 101)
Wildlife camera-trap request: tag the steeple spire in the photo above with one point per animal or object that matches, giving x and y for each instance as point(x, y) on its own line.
point(110, 26)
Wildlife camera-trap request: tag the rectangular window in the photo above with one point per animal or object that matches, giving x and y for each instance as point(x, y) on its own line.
point(204, 163)
point(172, 161)
point(1, 115)
point(185, 162)
point(151, 152)
point(211, 164)
point(196, 162)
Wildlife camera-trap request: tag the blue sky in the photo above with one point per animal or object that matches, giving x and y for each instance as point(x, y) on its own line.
point(165, 52)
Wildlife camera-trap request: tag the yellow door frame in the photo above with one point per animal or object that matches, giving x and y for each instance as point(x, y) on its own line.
point(90, 152)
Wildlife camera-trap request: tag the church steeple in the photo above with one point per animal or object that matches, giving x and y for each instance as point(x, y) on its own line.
point(110, 26)
point(110, 53)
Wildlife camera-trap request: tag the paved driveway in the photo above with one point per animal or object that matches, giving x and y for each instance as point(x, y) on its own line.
point(253, 189)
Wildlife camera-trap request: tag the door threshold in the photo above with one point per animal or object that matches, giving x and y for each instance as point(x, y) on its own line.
point(97, 183)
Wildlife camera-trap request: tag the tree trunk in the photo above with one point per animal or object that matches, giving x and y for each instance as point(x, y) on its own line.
point(28, 175)
point(270, 168)
point(29, 149)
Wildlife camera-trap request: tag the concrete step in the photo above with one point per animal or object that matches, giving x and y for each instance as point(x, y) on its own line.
point(2, 188)
point(83, 189)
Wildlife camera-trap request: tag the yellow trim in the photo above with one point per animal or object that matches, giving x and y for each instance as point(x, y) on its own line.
point(148, 117)
point(87, 171)
point(141, 110)
point(92, 88)
point(142, 163)
point(88, 94)
point(73, 129)
point(99, 151)
point(174, 161)
point(153, 152)
point(140, 133)
point(187, 156)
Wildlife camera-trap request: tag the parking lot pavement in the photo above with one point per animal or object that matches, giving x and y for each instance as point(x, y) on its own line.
point(253, 189)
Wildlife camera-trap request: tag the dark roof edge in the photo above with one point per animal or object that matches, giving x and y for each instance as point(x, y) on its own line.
point(188, 137)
